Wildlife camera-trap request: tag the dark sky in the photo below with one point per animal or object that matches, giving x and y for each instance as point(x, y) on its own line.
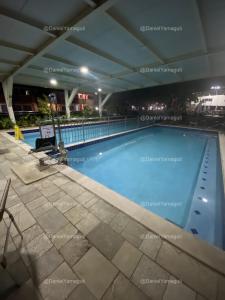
point(164, 93)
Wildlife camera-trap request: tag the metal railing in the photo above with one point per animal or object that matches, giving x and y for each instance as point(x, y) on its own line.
point(80, 130)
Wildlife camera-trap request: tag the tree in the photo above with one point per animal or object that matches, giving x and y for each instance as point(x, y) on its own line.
point(43, 105)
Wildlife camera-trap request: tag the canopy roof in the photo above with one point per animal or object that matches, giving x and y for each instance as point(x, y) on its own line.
point(126, 44)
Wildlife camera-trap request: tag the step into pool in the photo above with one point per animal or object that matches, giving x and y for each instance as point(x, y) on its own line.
point(161, 168)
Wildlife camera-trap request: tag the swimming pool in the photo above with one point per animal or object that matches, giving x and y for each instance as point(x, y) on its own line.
point(162, 169)
point(78, 133)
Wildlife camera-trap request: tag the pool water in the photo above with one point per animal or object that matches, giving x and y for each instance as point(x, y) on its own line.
point(158, 168)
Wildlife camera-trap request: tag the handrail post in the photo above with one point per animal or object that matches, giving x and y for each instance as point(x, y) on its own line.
point(83, 129)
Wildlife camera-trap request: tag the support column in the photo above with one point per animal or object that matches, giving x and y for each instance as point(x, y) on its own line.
point(69, 100)
point(7, 86)
point(102, 103)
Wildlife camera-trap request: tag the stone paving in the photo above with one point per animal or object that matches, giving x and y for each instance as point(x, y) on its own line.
point(78, 247)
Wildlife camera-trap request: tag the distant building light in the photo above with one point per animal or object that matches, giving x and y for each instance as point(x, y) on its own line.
point(27, 93)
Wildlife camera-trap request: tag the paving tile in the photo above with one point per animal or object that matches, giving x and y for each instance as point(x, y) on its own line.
point(52, 221)
point(25, 189)
point(120, 222)
point(41, 210)
point(28, 235)
point(91, 202)
point(35, 248)
point(56, 196)
point(12, 254)
point(36, 203)
point(151, 244)
point(104, 211)
point(74, 215)
point(59, 284)
point(85, 197)
point(73, 189)
point(177, 290)
point(81, 293)
point(87, 224)
point(73, 250)
point(50, 190)
point(127, 258)
point(150, 278)
point(61, 180)
point(105, 239)
point(134, 233)
point(221, 288)
point(6, 282)
point(23, 219)
point(123, 289)
point(190, 271)
point(26, 291)
point(65, 203)
point(65, 234)
point(45, 265)
point(94, 263)
point(25, 198)
point(12, 200)
point(18, 271)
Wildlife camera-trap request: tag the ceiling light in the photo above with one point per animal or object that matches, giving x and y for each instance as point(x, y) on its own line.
point(84, 70)
point(53, 82)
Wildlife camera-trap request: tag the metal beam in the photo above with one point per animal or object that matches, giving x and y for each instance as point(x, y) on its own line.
point(125, 26)
point(52, 42)
point(23, 49)
point(202, 31)
point(14, 16)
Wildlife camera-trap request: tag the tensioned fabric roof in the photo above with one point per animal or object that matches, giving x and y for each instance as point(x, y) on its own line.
point(126, 44)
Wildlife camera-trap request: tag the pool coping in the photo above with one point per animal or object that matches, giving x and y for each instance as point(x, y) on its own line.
point(200, 250)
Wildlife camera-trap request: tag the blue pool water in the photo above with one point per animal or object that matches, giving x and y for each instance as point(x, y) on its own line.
point(74, 134)
point(160, 169)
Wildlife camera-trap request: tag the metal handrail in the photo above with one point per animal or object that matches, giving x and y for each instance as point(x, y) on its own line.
point(4, 198)
point(3, 210)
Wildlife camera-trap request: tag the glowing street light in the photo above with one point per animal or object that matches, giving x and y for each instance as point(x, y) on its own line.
point(99, 90)
point(84, 70)
point(53, 82)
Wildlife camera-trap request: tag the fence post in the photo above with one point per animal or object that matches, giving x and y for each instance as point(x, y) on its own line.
point(83, 129)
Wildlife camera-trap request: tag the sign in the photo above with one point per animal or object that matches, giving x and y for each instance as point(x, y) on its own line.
point(82, 96)
point(47, 131)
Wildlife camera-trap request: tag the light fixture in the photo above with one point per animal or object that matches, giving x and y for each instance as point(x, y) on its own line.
point(53, 82)
point(96, 93)
point(84, 70)
point(99, 90)
point(204, 200)
point(96, 108)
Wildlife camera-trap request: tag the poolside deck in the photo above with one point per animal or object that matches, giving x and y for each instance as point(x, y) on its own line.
point(78, 246)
